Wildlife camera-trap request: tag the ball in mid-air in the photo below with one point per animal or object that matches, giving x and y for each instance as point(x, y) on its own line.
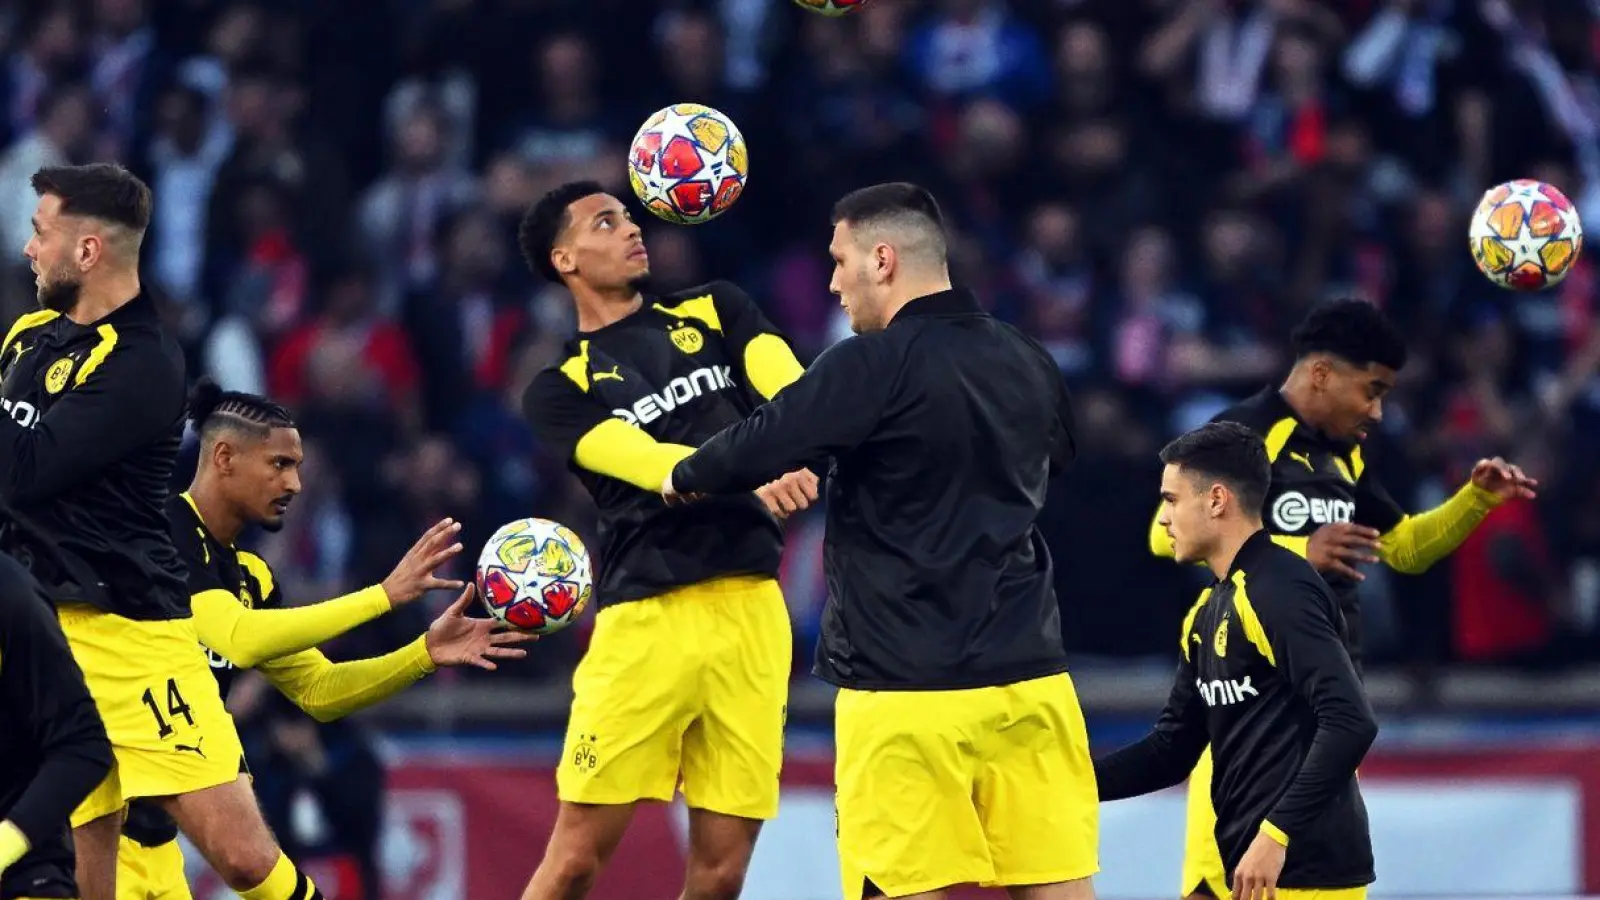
point(535, 575)
point(832, 7)
point(1525, 235)
point(688, 163)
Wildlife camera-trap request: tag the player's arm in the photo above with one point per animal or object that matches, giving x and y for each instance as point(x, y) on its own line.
point(1166, 755)
point(1411, 544)
point(767, 360)
point(248, 637)
point(43, 682)
point(327, 690)
point(127, 392)
point(583, 431)
point(832, 408)
point(1294, 626)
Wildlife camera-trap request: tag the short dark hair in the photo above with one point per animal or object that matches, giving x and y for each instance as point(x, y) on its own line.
point(213, 409)
point(1227, 452)
point(1353, 330)
point(544, 221)
point(102, 191)
point(883, 200)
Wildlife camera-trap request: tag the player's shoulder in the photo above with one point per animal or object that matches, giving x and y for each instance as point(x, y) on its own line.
point(708, 302)
point(29, 321)
point(1284, 580)
point(1258, 412)
point(266, 580)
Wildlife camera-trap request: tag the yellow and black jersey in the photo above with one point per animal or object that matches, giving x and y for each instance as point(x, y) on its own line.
point(214, 567)
point(632, 399)
point(1265, 679)
point(93, 419)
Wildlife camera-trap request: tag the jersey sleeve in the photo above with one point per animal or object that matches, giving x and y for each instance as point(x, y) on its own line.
point(127, 393)
point(763, 353)
point(1298, 623)
point(584, 433)
point(327, 690)
point(45, 686)
point(833, 407)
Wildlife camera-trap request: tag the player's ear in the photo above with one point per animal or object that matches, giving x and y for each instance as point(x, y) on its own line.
point(561, 258)
point(222, 457)
point(884, 261)
point(1217, 501)
point(89, 249)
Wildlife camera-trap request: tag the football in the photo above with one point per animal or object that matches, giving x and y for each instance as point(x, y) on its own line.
point(1525, 235)
point(832, 7)
point(535, 576)
point(688, 163)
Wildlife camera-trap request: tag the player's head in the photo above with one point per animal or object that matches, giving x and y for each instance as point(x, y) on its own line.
point(89, 223)
point(1214, 482)
point(1348, 355)
point(249, 452)
point(888, 245)
point(579, 234)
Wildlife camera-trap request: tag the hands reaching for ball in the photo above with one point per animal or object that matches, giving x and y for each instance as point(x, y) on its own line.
point(456, 639)
point(414, 575)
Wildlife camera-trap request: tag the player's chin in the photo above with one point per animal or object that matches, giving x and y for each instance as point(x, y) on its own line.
point(640, 279)
point(272, 523)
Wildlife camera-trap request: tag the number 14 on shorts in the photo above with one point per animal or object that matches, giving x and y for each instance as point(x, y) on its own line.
point(175, 705)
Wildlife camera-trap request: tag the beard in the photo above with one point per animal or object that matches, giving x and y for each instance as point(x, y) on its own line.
point(60, 294)
point(273, 525)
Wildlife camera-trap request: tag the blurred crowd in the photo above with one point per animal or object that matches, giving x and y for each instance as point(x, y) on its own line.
point(1156, 189)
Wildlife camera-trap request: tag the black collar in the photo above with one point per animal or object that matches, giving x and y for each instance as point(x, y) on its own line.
point(1250, 553)
point(954, 302)
point(140, 309)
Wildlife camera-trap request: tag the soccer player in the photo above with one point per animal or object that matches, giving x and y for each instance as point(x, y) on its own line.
point(55, 750)
point(686, 678)
point(248, 474)
point(94, 391)
point(1324, 502)
point(1264, 677)
point(962, 753)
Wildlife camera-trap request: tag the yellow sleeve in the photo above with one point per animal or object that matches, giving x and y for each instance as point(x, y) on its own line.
point(622, 451)
point(770, 365)
point(1419, 541)
point(248, 637)
point(328, 690)
point(1300, 545)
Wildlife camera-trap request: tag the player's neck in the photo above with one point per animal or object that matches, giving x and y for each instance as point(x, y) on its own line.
point(1296, 391)
point(224, 524)
point(100, 298)
point(596, 309)
point(914, 290)
point(1232, 539)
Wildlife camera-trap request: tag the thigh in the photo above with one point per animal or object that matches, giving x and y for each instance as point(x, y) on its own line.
point(1202, 860)
point(634, 693)
point(1036, 791)
point(904, 778)
point(150, 681)
point(733, 754)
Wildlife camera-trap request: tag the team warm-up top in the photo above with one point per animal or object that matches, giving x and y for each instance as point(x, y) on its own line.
point(929, 588)
point(605, 410)
point(94, 417)
point(1317, 480)
point(55, 750)
point(1265, 679)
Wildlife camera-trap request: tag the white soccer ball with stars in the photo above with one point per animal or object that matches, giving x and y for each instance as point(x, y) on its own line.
point(535, 575)
point(688, 163)
point(1525, 235)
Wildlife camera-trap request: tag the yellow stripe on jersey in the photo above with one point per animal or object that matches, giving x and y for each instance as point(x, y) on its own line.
point(703, 308)
point(97, 356)
point(259, 569)
point(27, 321)
point(1278, 437)
point(1249, 621)
point(618, 450)
point(770, 364)
point(1188, 622)
point(577, 368)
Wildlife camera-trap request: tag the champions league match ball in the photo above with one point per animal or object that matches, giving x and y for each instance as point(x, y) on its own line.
point(831, 7)
point(1525, 235)
point(535, 576)
point(688, 163)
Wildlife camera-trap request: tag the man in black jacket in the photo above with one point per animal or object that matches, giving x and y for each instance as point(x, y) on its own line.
point(962, 754)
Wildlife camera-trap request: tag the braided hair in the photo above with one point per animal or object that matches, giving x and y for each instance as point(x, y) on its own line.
point(213, 409)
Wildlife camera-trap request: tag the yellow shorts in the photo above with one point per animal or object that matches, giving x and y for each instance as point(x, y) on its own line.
point(1202, 861)
point(991, 786)
point(150, 873)
point(162, 710)
point(686, 689)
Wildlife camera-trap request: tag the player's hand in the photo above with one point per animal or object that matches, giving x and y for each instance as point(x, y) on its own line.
point(414, 576)
point(1257, 875)
point(456, 639)
point(1338, 547)
point(790, 494)
point(1504, 480)
point(670, 495)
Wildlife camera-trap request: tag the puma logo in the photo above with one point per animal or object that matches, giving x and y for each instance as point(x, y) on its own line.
point(185, 748)
point(602, 376)
point(1303, 459)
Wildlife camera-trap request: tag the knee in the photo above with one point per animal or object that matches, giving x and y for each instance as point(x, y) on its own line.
point(245, 864)
point(574, 868)
point(716, 879)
